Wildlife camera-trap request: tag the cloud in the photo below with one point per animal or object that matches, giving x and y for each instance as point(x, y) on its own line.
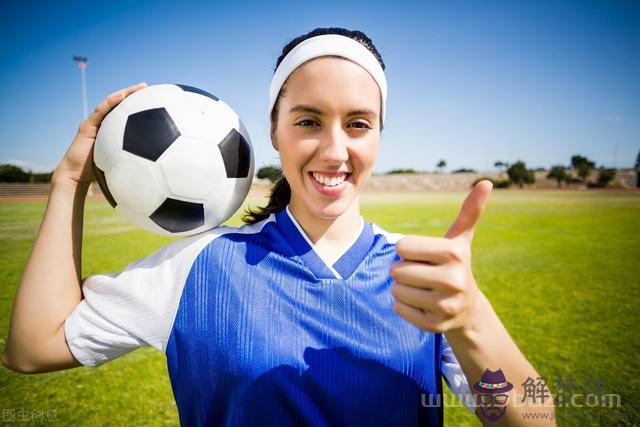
point(27, 165)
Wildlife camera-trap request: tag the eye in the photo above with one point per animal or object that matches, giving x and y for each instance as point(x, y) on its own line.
point(306, 123)
point(361, 125)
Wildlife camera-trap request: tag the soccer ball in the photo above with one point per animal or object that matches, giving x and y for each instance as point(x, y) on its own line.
point(173, 159)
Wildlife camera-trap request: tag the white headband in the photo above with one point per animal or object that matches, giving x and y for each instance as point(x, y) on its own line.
point(328, 44)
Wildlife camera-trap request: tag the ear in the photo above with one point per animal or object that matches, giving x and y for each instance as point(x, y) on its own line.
point(274, 141)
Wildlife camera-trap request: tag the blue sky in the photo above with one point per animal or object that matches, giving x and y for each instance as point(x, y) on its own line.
point(471, 82)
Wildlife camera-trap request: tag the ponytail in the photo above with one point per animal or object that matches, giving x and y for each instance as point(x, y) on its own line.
point(278, 199)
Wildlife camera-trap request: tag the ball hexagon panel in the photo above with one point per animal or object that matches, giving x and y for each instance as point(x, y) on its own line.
point(102, 182)
point(226, 199)
point(108, 145)
point(245, 134)
point(236, 154)
point(191, 168)
point(149, 133)
point(202, 118)
point(134, 179)
point(142, 221)
point(154, 96)
point(178, 216)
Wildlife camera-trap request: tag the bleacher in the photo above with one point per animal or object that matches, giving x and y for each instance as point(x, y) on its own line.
point(10, 190)
point(39, 190)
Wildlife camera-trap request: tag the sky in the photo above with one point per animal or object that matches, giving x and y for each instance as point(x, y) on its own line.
point(471, 82)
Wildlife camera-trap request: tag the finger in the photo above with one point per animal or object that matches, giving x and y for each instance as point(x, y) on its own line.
point(441, 305)
point(421, 275)
point(425, 320)
point(435, 250)
point(417, 317)
point(472, 208)
point(110, 102)
point(415, 297)
point(114, 99)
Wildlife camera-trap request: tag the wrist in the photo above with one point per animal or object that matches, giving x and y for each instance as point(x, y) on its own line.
point(479, 318)
point(62, 179)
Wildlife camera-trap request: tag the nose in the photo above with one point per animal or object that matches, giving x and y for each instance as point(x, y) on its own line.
point(334, 146)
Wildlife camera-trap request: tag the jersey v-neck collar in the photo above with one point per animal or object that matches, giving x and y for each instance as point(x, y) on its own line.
point(303, 248)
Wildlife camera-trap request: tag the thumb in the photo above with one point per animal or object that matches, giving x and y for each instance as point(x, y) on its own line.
point(472, 208)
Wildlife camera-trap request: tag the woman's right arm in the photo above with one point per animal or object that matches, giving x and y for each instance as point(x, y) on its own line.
point(50, 286)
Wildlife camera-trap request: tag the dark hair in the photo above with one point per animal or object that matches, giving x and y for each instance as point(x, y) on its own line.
point(281, 192)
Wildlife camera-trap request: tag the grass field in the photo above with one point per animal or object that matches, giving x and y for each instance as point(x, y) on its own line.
point(562, 270)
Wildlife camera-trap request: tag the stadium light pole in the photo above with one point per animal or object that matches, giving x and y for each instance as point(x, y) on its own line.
point(615, 155)
point(82, 64)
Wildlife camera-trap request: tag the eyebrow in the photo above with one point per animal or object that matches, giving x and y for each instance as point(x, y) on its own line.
point(310, 109)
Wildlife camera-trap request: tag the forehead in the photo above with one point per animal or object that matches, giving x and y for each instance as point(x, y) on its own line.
point(334, 82)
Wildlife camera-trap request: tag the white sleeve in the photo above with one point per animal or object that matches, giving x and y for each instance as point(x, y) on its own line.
point(454, 377)
point(123, 311)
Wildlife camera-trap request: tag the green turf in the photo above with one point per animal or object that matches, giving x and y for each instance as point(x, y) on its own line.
point(560, 268)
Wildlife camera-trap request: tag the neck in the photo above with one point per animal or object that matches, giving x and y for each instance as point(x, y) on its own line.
point(334, 230)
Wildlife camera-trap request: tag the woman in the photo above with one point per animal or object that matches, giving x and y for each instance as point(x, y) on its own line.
point(291, 318)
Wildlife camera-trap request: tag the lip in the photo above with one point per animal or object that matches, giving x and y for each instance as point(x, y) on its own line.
point(330, 191)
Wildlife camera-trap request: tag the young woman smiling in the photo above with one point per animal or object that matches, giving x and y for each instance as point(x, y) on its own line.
point(306, 315)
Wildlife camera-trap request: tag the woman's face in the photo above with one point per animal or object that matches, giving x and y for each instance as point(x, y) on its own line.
point(327, 134)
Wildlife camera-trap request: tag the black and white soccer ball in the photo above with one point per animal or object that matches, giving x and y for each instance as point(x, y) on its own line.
point(174, 159)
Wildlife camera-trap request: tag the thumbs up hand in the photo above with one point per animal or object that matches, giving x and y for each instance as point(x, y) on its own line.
point(434, 286)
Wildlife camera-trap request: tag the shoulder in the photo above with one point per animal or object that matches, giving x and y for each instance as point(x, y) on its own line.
point(389, 237)
point(142, 299)
point(188, 248)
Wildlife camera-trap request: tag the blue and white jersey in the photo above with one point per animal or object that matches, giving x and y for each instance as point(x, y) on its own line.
point(258, 328)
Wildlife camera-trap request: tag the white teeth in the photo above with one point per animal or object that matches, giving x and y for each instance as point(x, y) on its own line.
point(330, 182)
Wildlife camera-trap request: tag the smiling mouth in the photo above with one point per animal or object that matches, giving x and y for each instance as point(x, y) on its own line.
point(330, 179)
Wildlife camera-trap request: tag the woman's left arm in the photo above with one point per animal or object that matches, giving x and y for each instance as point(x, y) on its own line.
point(435, 290)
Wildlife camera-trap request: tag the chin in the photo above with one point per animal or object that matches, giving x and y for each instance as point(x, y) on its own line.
point(326, 207)
point(331, 210)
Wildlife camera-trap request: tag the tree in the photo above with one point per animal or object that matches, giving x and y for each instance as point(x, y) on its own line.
point(464, 170)
point(441, 164)
point(559, 173)
point(41, 177)
point(582, 165)
point(501, 166)
point(270, 172)
point(12, 173)
point(520, 175)
point(396, 171)
point(605, 176)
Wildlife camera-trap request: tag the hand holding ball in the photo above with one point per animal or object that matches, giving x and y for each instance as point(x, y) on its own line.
point(174, 160)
